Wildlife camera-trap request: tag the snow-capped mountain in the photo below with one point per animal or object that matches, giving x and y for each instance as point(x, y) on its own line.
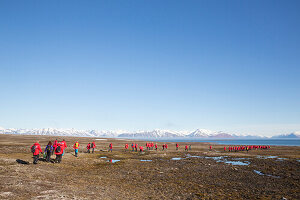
point(156, 133)
point(295, 135)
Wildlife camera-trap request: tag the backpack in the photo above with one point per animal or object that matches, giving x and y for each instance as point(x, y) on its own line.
point(58, 149)
point(92, 145)
point(33, 148)
point(76, 144)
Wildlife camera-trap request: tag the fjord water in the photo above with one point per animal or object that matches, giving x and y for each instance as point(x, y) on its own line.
point(278, 142)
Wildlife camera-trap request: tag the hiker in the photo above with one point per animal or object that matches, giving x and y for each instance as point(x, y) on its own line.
point(59, 152)
point(156, 147)
point(110, 147)
point(136, 147)
point(163, 147)
point(88, 147)
point(75, 147)
point(36, 150)
point(177, 145)
point(186, 148)
point(132, 146)
point(141, 148)
point(224, 148)
point(48, 151)
point(210, 148)
point(126, 147)
point(190, 147)
point(65, 146)
point(93, 146)
point(166, 146)
point(54, 145)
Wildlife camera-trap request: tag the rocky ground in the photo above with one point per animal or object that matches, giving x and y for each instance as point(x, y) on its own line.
point(197, 174)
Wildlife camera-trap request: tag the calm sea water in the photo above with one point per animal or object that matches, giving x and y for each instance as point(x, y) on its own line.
point(279, 142)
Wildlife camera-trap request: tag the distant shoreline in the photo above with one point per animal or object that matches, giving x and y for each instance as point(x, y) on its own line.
point(219, 141)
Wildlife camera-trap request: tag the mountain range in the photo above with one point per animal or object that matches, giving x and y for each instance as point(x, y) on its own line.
point(156, 133)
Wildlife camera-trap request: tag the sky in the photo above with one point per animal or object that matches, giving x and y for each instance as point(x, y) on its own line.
point(140, 65)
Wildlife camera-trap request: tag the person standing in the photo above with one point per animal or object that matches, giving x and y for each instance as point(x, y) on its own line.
point(156, 147)
point(132, 146)
point(65, 146)
point(110, 147)
point(186, 148)
point(54, 145)
point(177, 145)
point(141, 148)
point(93, 146)
point(126, 147)
point(88, 147)
point(76, 147)
point(48, 151)
point(59, 152)
point(36, 150)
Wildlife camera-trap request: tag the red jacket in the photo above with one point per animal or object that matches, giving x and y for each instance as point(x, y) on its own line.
point(37, 148)
point(74, 146)
point(88, 146)
point(94, 145)
point(62, 147)
point(126, 146)
point(64, 143)
point(110, 146)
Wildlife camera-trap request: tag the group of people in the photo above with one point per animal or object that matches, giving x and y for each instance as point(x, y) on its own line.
point(57, 148)
point(151, 146)
point(246, 148)
point(91, 146)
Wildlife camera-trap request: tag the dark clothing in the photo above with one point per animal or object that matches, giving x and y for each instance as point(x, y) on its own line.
point(58, 158)
point(93, 149)
point(35, 158)
point(48, 156)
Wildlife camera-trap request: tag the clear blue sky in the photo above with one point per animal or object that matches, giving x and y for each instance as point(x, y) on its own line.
point(220, 65)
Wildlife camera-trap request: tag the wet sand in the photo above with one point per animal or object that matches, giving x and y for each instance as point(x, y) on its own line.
point(197, 174)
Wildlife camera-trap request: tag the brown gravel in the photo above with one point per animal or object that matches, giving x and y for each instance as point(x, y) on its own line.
point(92, 177)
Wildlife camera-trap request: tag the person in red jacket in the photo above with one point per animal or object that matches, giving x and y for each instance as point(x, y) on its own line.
point(126, 147)
point(136, 147)
point(156, 147)
point(166, 146)
point(36, 150)
point(93, 146)
point(210, 148)
point(65, 146)
point(88, 147)
point(59, 152)
point(186, 148)
point(177, 145)
point(225, 148)
point(141, 148)
point(76, 147)
point(110, 147)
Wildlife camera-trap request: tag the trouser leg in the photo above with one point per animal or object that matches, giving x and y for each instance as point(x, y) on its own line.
point(35, 159)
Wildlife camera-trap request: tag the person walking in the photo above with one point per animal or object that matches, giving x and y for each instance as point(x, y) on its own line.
point(177, 145)
point(65, 146)
point(126, 147)
point(76, 147)
point(186, 148)
point(156, 147)
point(36, 150)
point(59, 152)
point(93, 146)
point(48, 151)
